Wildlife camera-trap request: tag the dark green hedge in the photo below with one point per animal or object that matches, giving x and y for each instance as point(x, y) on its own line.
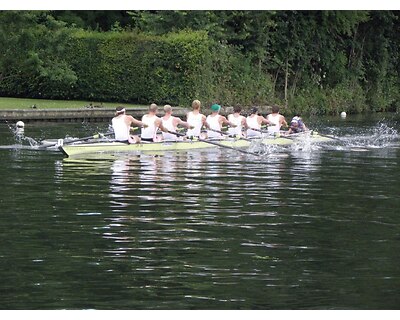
point(128, 67)
point(175, 68)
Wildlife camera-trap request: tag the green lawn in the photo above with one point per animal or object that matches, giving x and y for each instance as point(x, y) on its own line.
point(22, 103)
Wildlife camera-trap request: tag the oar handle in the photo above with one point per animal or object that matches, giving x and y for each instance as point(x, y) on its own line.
point(259, 130)
point(216, 144)
point(219, 131)
point(227, 134)
point(176, 133)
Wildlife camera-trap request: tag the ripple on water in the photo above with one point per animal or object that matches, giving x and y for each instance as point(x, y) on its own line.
point(294, 228)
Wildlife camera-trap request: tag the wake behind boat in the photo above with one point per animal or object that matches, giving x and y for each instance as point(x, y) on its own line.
point(71, 150)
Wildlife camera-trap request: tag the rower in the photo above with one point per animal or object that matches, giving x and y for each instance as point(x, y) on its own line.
point(215, 122)
point(196, 120)
point(151, 124)
point(254, 121)
point(238, 120)
point(121, 124)
point(171, 123)
point(276, 120)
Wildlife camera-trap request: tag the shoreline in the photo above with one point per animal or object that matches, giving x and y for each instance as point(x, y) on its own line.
point(95, 114)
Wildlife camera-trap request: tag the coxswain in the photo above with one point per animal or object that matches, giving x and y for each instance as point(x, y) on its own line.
point(297, 125)
point(196, 120)
point(151, 124)
point(254, 121)
point(171, 123)
point(215, 122)
point(238, 120)
point(121, 125)
point(276, 120)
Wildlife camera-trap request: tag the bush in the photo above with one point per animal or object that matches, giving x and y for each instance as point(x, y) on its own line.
point(174, 68)
point(141, 68)
point(348, 96)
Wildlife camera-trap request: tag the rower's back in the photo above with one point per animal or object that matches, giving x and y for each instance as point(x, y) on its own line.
point(214, 124)
point(275, 119)
point(150, 120)
point(168, 123)
point(195, 119)
point(253, 122)
point(120, 126)
point(237, 119)
point(121, 130)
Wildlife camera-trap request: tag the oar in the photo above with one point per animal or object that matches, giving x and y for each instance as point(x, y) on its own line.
point(263, 131)
point(259, 130)
point(227, 134)
point(330, 137)
point(216, 144)
point(95, 136)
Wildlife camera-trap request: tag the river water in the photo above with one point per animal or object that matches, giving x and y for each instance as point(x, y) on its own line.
point(305, 227)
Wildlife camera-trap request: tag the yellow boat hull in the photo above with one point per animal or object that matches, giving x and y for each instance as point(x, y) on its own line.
point(112, 147)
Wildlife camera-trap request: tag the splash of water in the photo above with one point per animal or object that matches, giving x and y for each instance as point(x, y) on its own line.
point(257, 146)
point(32, 142)
point(305, 143)
point(379, 136)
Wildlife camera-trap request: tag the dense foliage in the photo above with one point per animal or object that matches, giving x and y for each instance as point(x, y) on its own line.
point(311, 61)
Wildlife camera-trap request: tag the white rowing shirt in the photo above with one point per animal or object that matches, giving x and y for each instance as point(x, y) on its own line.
point(150, 131)
point(213, 122)
point(252, 122)
point(237, 121)
point(274, 120)
point(169, 125)
point(121, 130)
point(195, 120)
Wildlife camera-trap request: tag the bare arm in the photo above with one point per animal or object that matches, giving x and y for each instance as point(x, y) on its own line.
point(262, 120)
point(223, 120)
point(135, 122)
point(205, 122)
point(283, 121)
point(178, 121)
point(158, 123)
point(246, 126)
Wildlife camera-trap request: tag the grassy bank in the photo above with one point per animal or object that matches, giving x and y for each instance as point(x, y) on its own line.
point(23, 103)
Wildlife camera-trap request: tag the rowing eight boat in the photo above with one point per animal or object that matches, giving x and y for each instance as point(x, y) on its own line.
point(111, 147)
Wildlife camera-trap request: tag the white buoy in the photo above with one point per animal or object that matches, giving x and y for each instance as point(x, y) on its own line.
point(20, 124)
point(343, 114)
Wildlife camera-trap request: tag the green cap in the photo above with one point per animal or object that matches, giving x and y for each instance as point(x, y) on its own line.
point(215, 107)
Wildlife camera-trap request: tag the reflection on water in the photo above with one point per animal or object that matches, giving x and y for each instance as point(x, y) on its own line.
point(311, 227)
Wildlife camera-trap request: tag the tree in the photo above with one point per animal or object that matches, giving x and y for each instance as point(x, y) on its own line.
point(31, 53)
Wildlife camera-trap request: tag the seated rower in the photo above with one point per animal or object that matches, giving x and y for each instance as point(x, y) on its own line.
point(238, 120)
point(297, 125)
point(196, 120)
point(121, 125)
point(276, 120)
point(254, 121)
point(215, 121)
point(171, 123)
point(151, 124)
